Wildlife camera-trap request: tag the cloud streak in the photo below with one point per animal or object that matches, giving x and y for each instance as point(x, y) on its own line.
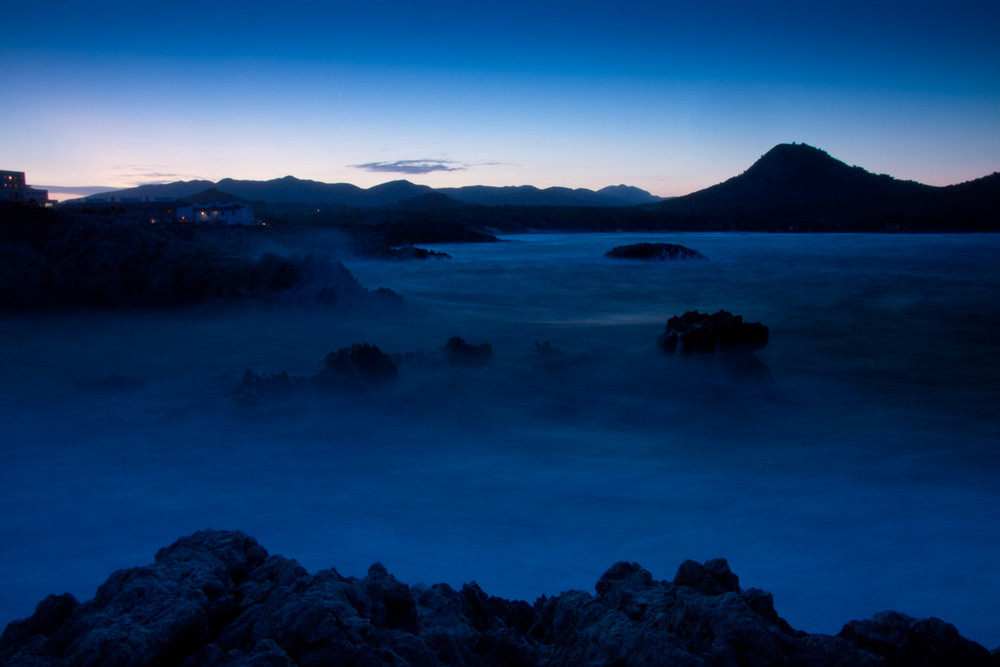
point(412, 166)
point(82, 190)
point(140, 175)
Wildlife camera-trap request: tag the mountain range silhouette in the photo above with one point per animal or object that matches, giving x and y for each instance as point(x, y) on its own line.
point(792, 187)
point(294, 190)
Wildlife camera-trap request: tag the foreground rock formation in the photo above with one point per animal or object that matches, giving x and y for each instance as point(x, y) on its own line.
point(218, 599)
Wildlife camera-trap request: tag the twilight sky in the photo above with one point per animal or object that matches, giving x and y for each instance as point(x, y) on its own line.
point(670, 97)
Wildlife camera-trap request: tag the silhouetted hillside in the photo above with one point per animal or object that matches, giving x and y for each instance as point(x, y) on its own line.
point(213, 196)
point(293, 190)
point(432, 201)
point(175, 190)
point(628, 194)
point(799, 187)
point(529, 195)
point(395, 191)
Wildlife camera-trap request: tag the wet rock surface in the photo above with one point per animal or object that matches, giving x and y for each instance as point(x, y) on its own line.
point(218, 598)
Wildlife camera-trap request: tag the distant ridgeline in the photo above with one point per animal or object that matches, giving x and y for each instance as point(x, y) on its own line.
point(293, 190)
point(793, 187)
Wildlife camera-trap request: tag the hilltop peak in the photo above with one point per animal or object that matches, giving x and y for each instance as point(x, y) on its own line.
point(797, 157)
point(800, 170)
point(798, 186)
point(796, 148)
point(392, 192)
point(628, 194)
point(398, 183)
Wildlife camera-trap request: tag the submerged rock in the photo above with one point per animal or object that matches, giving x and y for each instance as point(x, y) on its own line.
point(546, 349)
point(349, 369)
point(655, 252)
point(217, 598)
point(460, 352)
point(254, 388)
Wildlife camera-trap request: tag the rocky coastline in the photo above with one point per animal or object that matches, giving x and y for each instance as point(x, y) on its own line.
point(217, 598)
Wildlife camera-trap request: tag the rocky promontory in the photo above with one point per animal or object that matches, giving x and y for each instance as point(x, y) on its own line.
point(217, 598)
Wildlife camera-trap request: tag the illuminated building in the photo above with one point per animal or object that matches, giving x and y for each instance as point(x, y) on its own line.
point(14, 189)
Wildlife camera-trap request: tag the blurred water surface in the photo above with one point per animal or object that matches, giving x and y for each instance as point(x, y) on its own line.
point(860, 475)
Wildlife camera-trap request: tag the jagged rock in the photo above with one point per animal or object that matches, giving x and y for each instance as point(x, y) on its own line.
point(217, 599)
point(460, 352)
point(913, 642)
point(699, 333)
point(712, 578)
point(654, 252)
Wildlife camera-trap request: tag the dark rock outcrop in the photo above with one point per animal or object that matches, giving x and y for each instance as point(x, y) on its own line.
point(916, 642)
point(217, 598)
point(697, 333)
point(655, 252)
point(723, 336)
point(356, 367)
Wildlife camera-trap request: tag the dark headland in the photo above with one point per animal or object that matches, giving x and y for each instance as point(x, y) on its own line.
point(218, 598)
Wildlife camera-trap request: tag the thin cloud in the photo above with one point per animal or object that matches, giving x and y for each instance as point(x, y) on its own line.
point(138, 175)
point(412, 166)
point(82, 190)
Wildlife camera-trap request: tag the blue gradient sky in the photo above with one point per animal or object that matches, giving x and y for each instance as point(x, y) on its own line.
point(666, 96)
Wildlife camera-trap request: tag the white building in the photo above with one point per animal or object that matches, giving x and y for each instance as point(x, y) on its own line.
point(219, 214)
